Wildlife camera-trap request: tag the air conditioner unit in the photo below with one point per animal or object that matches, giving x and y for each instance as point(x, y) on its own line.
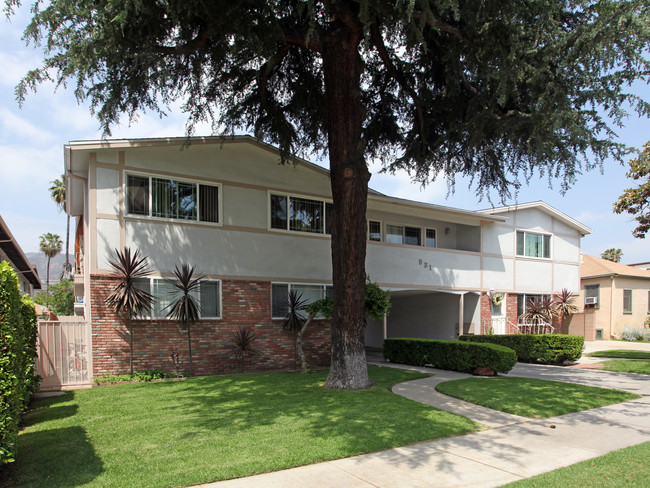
point(591, 301)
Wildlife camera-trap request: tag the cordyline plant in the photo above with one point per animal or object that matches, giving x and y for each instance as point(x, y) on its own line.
point(563, 304)
point(538, 311)
point(295, 320)
point(126, 298)
point(185, 307)
point(241, 342)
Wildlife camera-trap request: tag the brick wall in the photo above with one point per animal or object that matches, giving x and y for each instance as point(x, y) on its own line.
point(244, 304)
point(511, 313)
point(486, 313)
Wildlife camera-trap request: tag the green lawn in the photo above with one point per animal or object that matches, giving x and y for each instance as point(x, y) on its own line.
point(531, 397)
point(623, 366)
point(178, 433)
point(627, 468)
point(621, 353)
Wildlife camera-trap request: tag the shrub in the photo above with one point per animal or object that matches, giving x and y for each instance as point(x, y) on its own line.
point(452, 355)
point(145, 375)
point(536, 348)
point(635, 334)
point(17, 352)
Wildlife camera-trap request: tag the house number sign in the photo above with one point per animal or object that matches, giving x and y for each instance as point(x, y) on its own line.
point(425, 265)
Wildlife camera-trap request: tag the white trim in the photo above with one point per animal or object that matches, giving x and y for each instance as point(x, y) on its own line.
point(195, 181)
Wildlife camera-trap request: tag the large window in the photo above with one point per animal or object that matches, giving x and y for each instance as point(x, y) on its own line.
point(524, 302)
point(301, 214)
point(402, 234)
point(171, 199)
point(374, 230)
point(533, 245)
point(165, 293)
point(310, 293)
point(627, 301)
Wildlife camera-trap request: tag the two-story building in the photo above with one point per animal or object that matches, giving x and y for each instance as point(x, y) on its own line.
point(256, 229)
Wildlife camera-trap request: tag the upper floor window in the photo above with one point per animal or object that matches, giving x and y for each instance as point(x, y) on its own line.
point(430, 240)
point(172, 199)
point(374, 230)
point(301, 214)
point(533, 245)
point(627, 301)
point(403, 234)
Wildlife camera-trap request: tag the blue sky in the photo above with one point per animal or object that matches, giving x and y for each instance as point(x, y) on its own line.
point(31, 156)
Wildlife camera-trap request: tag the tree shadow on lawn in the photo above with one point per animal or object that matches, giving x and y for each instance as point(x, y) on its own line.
point(55, 458)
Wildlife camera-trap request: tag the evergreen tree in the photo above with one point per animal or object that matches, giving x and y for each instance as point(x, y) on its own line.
point(497, 90)
point(57, 192)
point(636, 201)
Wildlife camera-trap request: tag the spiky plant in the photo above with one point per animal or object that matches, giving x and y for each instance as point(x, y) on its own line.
point(126, 298)
point(185, 307)
point(538, 311)
point(563, 303)
point(241, 342)
point(295, 317)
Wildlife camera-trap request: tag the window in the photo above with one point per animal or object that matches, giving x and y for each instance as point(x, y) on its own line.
point(171, 199)
point(592, 292)
point(208, 296)
point(533, 245)
point(280, 295)
point(627, 301)
point(401, 234)
point(430, 238)
point(374, 230)
point(523, 302)
point(301, 214)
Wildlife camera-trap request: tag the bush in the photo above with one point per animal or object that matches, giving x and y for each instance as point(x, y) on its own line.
point(451, 355)
point(61, 298)
point(634, 334)
point(536, 348)
point(145, 375)
point(17, 353)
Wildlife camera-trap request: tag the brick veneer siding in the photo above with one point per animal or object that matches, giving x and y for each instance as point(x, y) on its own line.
point(244, 304)
point(511, 313)
point(486, 313)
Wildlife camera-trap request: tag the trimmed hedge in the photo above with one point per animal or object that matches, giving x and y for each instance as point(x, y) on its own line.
point(17, 352)
point(536, 348)
point(452, 355)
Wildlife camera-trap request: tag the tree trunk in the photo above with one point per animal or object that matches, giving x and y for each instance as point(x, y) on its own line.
point(47, 284)
point(349, 175)
point(304, 366)
point(189, 346)
point(129, 328)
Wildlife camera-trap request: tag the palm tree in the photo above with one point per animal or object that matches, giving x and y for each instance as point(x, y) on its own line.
point(612, 254)
point(50, 246)
point(185, 307)
point(57, 192)
point(126, 297)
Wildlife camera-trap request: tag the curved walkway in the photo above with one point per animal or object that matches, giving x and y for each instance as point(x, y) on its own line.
point(515, 448)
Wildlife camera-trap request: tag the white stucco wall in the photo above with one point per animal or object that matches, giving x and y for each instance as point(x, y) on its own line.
point(108, 191)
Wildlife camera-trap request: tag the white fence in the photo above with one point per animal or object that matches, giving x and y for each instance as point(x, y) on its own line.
point(63, 353)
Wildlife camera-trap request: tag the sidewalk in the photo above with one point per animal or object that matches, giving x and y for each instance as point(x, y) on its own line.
point(515, 448)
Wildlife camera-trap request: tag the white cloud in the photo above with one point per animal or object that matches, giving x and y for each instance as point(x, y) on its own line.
point(14, 125)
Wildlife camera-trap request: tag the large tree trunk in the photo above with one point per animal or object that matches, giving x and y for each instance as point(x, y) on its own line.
point(349, 175)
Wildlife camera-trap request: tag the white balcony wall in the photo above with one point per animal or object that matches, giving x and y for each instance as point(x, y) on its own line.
point(108, 191)
point(534, 275)
point(108, 239)
point(404, 266)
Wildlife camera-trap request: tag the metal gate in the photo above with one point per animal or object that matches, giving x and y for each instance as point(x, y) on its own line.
point(63, 353)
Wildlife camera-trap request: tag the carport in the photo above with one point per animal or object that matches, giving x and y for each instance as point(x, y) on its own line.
point(427, 314)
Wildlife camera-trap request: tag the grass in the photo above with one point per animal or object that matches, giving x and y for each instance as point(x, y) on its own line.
point(629, 366)
point(627, 468)
point(621, 353)
point(531, 397)
point(179, 433)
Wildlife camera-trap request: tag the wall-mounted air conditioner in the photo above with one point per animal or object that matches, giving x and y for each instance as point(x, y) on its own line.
point(591, 301)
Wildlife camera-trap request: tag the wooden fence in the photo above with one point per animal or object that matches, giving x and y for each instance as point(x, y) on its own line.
point(64, 353)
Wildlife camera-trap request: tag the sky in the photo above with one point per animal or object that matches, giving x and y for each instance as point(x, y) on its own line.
point(31, 156)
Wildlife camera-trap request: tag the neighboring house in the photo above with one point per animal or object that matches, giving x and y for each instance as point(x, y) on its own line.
point(615, 296)
point(11, 252)
point(256, 230)
point(645, 265)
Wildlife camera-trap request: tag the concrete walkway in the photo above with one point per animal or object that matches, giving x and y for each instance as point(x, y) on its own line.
point(515, 447)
